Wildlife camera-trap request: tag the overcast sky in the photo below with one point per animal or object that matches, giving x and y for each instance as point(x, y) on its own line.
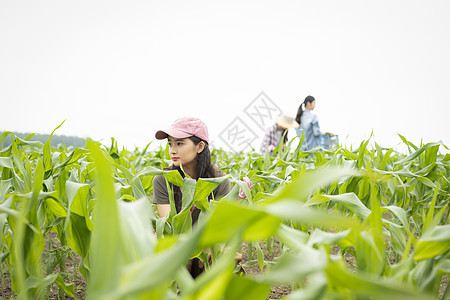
point(128, 68)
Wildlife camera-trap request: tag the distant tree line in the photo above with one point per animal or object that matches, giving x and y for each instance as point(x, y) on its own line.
point(56, 139)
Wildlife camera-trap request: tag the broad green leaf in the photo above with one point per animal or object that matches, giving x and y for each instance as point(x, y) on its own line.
point(20, 141)
point(182, 222)
point(430, 214)
point(296, 266)
point(150, 171)
point(37, 187)
point(427, 182)
point(370, 247)
point(189, 186)
point(293, 238)
point(400, 213)
point(295, 211)
point(317, 199)
point(78, 235)
point(246, 288)
point(73, 157)
point(386, 158)
point(322, 237)
point(367, 285)
point(351, 202)
point(134, 181)
point(303, 186)
point(444, 266)
point(55, 207)
point(77, 195)
point(184, 280)
point(5, 187)
point(408, 143)
point(416, 153)
point(369, 257)
point(423, 274)
point(3, 137)
point(205, 186)
point(6, 162)
point(5, 207)
point(316, 288)
point(136, 220)
point(174, 177)
point(259, 255)
point(160, 268)
point(398, 238)
point(243, 185)
point(433, 243)
point(213, 284)
point(362, 152)
point(68, 288)
point(48, 166)
point(106, 243)
point(34, 282)
point(229, 219)
point(25, 182)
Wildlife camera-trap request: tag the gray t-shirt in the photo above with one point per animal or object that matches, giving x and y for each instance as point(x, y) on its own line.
point(161, 196)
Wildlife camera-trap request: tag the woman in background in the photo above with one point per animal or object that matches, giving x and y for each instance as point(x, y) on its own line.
point(309, 124)
point(278, 131)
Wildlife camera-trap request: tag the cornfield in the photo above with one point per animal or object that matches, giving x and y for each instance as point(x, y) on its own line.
point(387, 210)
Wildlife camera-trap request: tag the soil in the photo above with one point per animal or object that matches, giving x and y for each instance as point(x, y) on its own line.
point(71, 271)
point(5, 289)
point(443, 287)
point(277, 291)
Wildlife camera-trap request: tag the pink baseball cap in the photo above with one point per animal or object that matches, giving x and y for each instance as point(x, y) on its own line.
point(185, 127)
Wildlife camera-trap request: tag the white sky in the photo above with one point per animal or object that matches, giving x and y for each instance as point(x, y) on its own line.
point(128, 68)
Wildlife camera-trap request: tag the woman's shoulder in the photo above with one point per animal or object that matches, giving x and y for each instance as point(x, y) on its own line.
point(159, 180)
point(310, 115)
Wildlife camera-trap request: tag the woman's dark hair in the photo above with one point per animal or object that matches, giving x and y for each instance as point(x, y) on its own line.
point(205, 169)
point(300, 110)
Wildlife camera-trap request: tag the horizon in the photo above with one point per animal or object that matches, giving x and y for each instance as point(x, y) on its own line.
point(401, 147)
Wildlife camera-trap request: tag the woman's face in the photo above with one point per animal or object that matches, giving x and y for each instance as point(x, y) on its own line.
point(311, 105)
point(183, 151)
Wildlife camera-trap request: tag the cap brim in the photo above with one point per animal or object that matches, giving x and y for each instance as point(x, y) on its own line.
point(287, 125)
point(163, 134)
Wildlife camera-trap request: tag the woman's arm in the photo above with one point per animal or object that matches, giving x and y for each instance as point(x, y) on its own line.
point(160, 196)
point(163, 209)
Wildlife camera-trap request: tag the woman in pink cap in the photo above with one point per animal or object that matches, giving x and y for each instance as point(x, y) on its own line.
point(188, 146)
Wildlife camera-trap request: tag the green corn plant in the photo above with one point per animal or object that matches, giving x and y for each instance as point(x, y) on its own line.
point(386, 209)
